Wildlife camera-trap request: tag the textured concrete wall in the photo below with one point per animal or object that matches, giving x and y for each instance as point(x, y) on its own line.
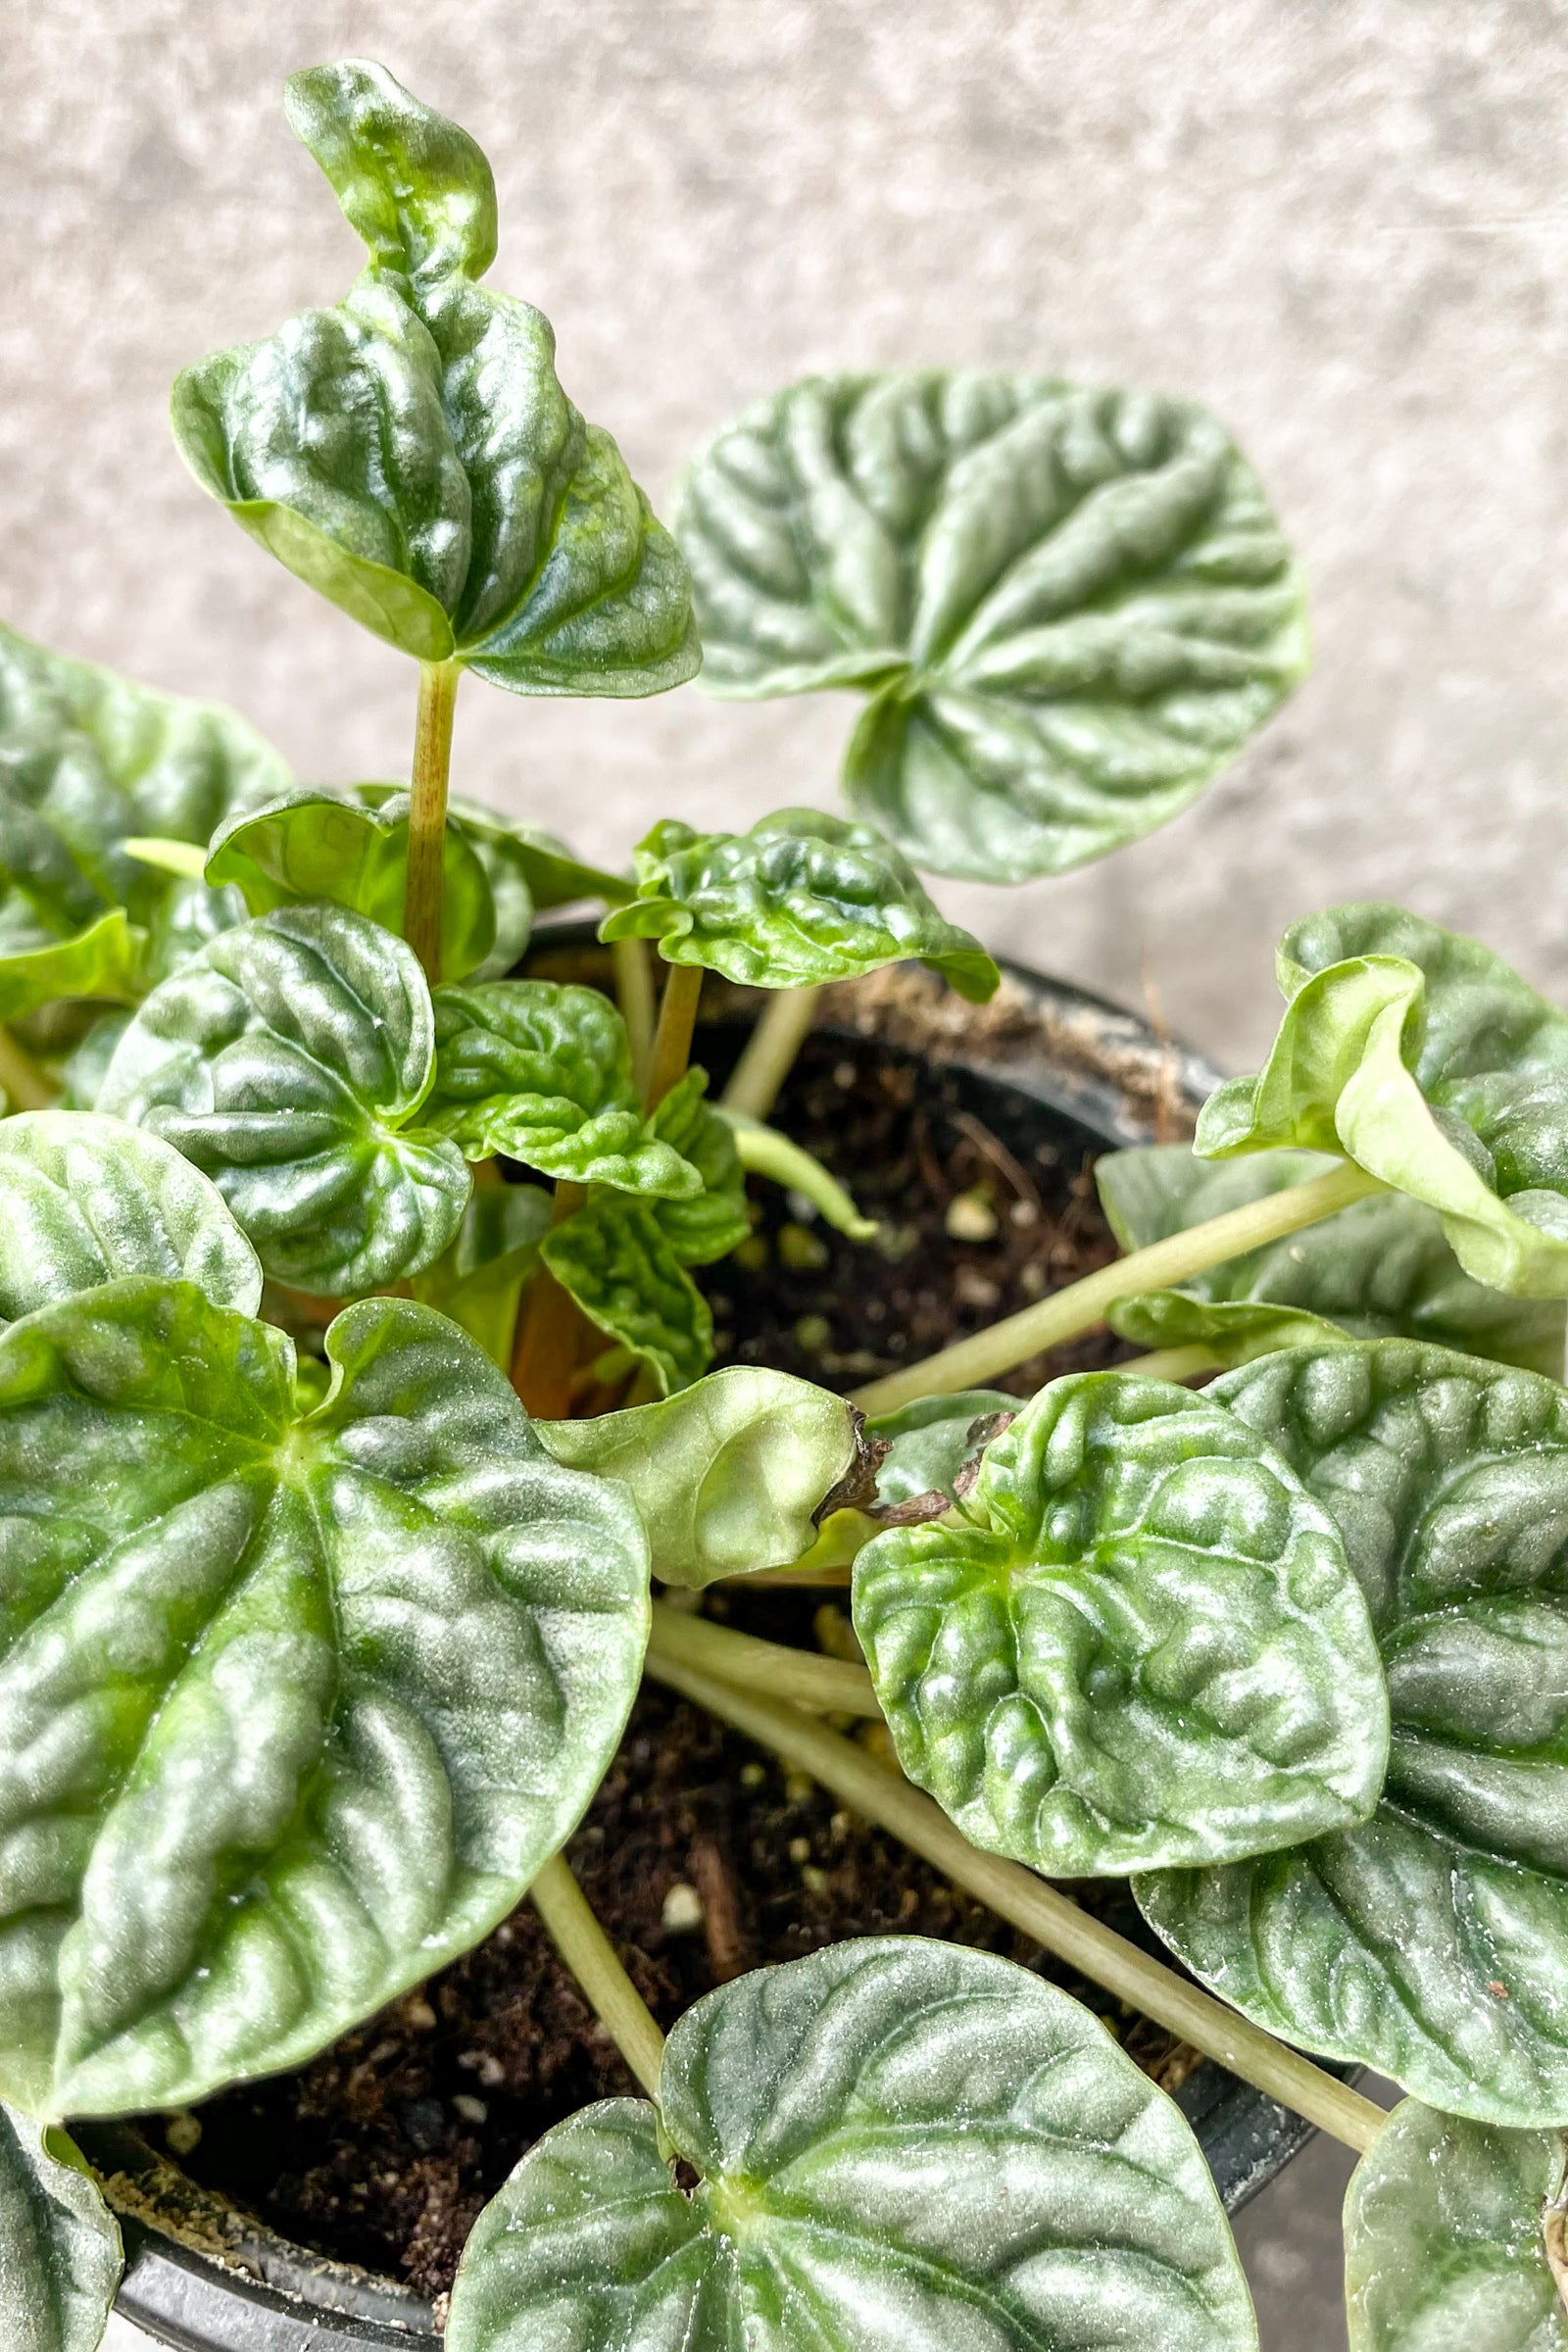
point(1340, 221)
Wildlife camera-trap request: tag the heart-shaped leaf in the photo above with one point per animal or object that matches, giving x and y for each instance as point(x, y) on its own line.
point(898, 2143)
point(478, 1277)
point(60, 2253)
point(614, 1258)
point(316, 844)
point(411, 454)
point(1431, 1943)
point(293, 1708)
point(1422, 1057)
point(801, 897)
point(542, 1072)
point(1141, 1638)
point(1381, 1269)
point(1444, 2229)
point(729, 1475)
point(1070, 607)
point(85, 1199)
point(289, 1060)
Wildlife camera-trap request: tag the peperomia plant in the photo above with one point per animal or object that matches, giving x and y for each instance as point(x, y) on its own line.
point(355, 1385)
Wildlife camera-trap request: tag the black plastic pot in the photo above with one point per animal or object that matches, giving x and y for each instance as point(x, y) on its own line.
point(1042, 1064)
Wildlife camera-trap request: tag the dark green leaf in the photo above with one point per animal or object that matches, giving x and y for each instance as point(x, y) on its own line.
point(1381, 1269)
point(1140, 1639)
point(289, 1060)
point(411, 454)
point(478, 1277)
point(1432, 1942)
point(799, 898)
point(108, 960)
point(900, 2145)
point(1070, 607)
point(1443, 2239)
point(1422, 1057)
point(616, 1259)
point(728, 1476)
point(293, 1709)
point(60, 2256)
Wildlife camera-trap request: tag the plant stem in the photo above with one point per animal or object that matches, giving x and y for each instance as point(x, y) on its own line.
point(544, 1359)
point(25, 1086)
point(591, 1957)
point(1053, 1919)
point(428, 813)
point(973, 1363)
point(672, 1039)
point(634, 992)
point(835, 1685)
point(769, 1056)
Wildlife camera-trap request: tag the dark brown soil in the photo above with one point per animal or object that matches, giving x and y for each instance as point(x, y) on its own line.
point(701, 1857)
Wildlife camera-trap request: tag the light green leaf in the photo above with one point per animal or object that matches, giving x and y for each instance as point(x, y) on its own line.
point(709, 1224)
point(411, 454)
point(1381, 1269)
point(184, 860)
point(800, 898)
point(763, 1152)
point(289, 1060)
point(616, 1259)
point(1443, 2239)
point(900, 2143)
point(1070, 607)
point(293, 1709)
point(478, 1277)
point(60, 2253)
point(1421, 1056)
point(1141, 1638)
point(1431, 1943)
point(541, 1073)
point(316, 844)
point(728, 1476)
point(108, 960)
point(933, 1450)
point(85, 1199)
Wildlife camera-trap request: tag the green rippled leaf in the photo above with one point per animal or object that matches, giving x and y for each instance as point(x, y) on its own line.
point(60, 2253)
point(616, 1259)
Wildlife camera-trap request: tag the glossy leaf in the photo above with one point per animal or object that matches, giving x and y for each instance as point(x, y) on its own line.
point(763, 1152)
point(1381, 1269)
point(541, 1073)
point(933, 1450)
point(85, 1199)
point(1070, 607)
point(1443, 2228)
point(411, 454)
point(1432, 1941)
point(60, 2253)
point(707, 1225)
point(616, 1259)
point(1421, 1056)
point(729, 1475)
point(478, 1277)
point(898, 2143)
point(1142, 1638)
point(801, 897)
point(319, 845)
point(289, 1061)
point(293, 1708)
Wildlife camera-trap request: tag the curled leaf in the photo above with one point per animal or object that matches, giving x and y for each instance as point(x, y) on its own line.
point(107, 961)
point(802, 898)
point(1432, 1940)
point(614, 1258)
point(1381, 1269)
point(60, 2252)
point(897, 2143)
point(478, 1277)
point(933, 1450)
point(729, 1475)
point(289, 1059)
point(1141, 1638)
point(410, 455)
point(293, 1707)
point(763, 1152)
point(1069, 606)
point(707, 1225)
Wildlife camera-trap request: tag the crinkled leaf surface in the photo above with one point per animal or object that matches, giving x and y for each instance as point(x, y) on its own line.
point(934, 1447)
point(292, 1709)
point(614, 1258)
point(478, 1277)
point(1443, 2239)
point(728, 1476)
point(1432, 1941)
point(1424, 1058)
point(702, 1226)
point(318, 845)
point(85, 1199)
point(411, 454)
point(1143, 1640)
point(801, 897)
point(60, 2255)
point(541, 1072)
point(289, 1061)
point(1381, 1269)
point(900, 2143)
point(1070, 607)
